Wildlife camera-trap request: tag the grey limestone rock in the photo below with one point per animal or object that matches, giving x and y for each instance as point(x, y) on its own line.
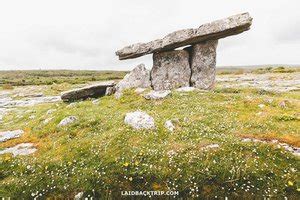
point(92, 91)
point(138, 77)
point(211, 31)
point(203, 64)
point(170, 70)
point(139, 120)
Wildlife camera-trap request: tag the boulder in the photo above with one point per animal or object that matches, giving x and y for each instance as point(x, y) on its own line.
point(138, 77)
point(155, 95)
point(139, 120)
point(203, 64)
point(211, 31)
point(170, 70)
point(92, 91)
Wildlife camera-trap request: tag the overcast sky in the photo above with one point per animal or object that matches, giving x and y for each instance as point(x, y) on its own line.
point(62, 34)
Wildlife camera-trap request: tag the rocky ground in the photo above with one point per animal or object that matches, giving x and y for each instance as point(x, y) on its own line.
point(241, 139)
point(275, 82)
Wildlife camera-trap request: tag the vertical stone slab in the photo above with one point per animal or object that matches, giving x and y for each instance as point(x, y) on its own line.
point(170, 70)
point(203, 64)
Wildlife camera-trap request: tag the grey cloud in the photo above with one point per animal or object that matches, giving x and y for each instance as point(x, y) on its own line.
point(64, 45)
point(85, 35)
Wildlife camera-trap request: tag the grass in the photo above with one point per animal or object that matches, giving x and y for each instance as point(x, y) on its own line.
point(101, 156)
point(48, 77)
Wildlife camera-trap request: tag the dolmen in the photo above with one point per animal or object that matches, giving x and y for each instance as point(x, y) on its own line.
point(91, 91)
point(192, 66)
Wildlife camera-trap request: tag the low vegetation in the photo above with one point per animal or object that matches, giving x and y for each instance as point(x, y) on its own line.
point(101, 156)
point(48, 77)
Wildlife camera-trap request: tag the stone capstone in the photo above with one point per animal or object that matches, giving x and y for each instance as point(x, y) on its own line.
point(139, 120)
point(170, 70)
point(138, 77)
point(92, 91)
point(211, 31)
point(203, 64)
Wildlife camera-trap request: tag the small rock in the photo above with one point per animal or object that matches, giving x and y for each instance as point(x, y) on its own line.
point(169, 125)
point(78, 196)
point(32, 117)
point(259, 113)
point(261, 106)
point(49, 112)
point(246, 140)
point(211, 146)
point(29, 111)
point(46, 121)
point(274, 141)
point(155, 95)
point(139, 120)
point(296, 152)
point(269, 101)
point(283, 104)
point(72, 105)
point(66, 121)
point(172, 153)
point(7, 135)
point(96, 101)
point(20, 149)
point(185, 89)
point(186, 119)
point(140, 90)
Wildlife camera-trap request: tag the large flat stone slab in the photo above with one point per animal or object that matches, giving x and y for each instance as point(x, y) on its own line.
point(211, 31)
point(92, 91)
point(171, 69)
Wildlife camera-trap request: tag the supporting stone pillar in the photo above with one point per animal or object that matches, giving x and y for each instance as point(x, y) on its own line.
point(203, 64)
point(170, 70)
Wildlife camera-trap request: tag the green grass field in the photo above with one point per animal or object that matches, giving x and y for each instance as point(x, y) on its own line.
point(44, 77)
point(101, 156)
